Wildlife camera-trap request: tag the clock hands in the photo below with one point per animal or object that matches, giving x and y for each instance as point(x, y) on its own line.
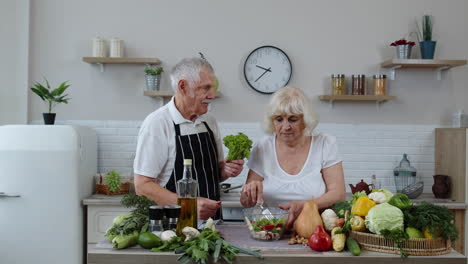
point(266, 70)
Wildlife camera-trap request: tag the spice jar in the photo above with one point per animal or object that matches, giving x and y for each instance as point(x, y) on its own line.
point(380, 84)
point(358, 84)
point(338, 84)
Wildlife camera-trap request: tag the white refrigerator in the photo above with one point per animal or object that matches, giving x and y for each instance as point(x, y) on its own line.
point(45, 172)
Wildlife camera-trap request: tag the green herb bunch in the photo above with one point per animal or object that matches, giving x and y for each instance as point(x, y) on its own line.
point(139, 203)
point(113, 180)
point(209, 245)
point(52, 97)
point(398, 237)
point(435, 217)
point(152, 71)
point(239, 146)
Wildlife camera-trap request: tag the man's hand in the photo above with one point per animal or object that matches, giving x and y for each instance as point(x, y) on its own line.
point(252, 193)
point(207, 208)
point(232, 168)
point(295, 208)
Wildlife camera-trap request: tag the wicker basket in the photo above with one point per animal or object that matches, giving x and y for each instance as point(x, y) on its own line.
point(104, 189)
point(412, 246)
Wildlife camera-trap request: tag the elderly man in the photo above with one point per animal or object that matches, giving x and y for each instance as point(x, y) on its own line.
point(182, 130)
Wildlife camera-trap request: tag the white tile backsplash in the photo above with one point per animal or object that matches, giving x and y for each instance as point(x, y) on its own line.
point(366, 149)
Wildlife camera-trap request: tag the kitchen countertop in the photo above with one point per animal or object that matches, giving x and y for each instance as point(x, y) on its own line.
point(273, 252)
point(231, 200)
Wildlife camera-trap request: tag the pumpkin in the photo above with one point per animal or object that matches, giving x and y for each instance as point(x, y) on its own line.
point(308, 219)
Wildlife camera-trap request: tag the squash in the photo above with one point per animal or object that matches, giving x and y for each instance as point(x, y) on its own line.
point(308, 219)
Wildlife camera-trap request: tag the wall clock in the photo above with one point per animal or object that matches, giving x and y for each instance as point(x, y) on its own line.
point(267, 69)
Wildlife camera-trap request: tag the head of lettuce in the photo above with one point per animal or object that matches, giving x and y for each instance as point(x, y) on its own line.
point(384, 216)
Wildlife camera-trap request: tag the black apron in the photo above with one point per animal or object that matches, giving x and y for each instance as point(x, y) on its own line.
point(202, 149)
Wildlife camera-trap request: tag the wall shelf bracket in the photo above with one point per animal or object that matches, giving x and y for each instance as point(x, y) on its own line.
point(439, 72)
point(392, 71)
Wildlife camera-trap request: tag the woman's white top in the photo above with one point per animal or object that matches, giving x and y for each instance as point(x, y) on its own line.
point(282, 187)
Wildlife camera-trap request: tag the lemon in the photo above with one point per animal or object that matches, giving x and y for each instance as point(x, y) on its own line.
point(149, 240)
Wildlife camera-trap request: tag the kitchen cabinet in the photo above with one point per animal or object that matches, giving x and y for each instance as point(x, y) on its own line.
point(100, 211)
point(451, 159)
point(438, 65)
point(101, 61)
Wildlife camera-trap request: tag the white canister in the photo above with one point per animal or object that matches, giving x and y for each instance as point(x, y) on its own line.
point(116, 48)
point(99, 47)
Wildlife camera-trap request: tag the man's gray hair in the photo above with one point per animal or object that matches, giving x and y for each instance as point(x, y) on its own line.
point(189, 69)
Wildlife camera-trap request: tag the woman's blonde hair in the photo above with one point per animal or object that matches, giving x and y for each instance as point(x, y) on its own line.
point(291, 101)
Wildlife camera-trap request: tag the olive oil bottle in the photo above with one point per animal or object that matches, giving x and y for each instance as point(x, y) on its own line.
point(187, 191)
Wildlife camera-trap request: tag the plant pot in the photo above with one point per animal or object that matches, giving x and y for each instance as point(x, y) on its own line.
point(152, 82)
point(427, 49)
point(49, 118)
point(403, 51)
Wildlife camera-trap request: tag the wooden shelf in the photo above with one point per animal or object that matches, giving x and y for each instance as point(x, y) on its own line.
point(167, 94)
point(354, 98)
point(438, 65)
point(107, 60)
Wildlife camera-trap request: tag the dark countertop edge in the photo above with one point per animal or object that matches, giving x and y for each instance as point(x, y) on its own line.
point(275, 254)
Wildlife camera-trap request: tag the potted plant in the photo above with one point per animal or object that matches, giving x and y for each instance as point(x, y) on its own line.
point(426, 43)
point(52, 97)
point(403, 48)
point(153, 77)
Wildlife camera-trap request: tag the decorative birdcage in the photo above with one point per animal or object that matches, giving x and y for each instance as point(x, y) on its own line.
point(405, 174)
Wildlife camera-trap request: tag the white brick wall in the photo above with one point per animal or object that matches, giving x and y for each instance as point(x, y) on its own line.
point(366, 149)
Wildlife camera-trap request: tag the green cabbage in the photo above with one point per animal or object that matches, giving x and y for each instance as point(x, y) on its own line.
point(384, 216)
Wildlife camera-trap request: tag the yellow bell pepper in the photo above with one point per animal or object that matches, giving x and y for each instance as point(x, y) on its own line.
point(362, 206)
point(427, 233)
point(357, 224)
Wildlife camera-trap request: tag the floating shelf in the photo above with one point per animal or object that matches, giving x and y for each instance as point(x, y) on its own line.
point(107, 60)
point(438, 65)
point(168, 94)
point(376, 98)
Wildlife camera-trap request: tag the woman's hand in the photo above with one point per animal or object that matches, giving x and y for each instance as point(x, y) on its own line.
point(295, 208)
point(252, 193)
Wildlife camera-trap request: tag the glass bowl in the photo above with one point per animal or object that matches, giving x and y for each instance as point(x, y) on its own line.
point(266, 227)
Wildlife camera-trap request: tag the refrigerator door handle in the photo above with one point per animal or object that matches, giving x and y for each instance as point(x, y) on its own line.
point(4, 195)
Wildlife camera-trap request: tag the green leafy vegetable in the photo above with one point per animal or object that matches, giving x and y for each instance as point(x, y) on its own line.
point(340, 208)
point(139, 203)
point(127, 224)
point(209, 244)
point(401, 201)
point(239, 146)
point(435, 217)
point(398, 237)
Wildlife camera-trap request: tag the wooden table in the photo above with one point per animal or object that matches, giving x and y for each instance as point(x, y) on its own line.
point(273, 252)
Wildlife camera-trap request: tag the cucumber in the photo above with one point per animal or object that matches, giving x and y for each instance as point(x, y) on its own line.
point(353, 246)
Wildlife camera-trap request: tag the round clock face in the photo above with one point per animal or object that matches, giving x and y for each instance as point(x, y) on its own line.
point(267, 69)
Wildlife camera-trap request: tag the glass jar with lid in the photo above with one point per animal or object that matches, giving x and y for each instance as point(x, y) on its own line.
point(358, 84)
point(380, 84)
point(338, 84)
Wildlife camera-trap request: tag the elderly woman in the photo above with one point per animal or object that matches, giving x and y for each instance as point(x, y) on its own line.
point(293, 165)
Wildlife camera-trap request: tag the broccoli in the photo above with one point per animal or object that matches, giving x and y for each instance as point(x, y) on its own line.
point(239, 146)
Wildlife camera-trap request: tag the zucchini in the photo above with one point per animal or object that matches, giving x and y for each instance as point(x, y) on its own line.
point(353, 246)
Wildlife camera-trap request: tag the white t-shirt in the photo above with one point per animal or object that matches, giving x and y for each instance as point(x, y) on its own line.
point(156, 150)
point(308, 184)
